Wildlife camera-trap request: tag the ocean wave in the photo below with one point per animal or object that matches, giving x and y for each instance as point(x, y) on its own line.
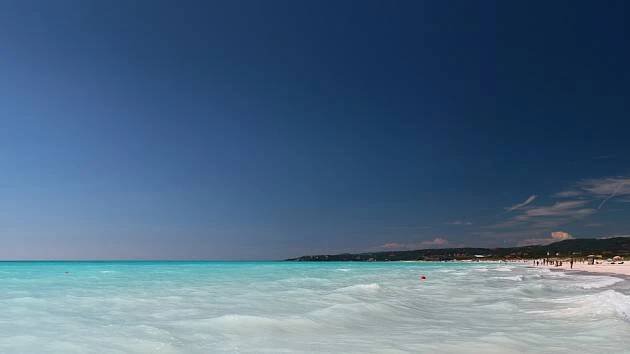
point(532, 290)
point(503, 269)
point(305, 282)
point(500, 306)
point(535, 276)
point(602, 303)
point(373, 287)
point(596, 282)
point(249, 324)
point(288, 307)
point(514, 278)
point(352, 312)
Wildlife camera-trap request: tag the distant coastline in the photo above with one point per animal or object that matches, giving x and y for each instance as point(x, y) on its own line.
point(576, 248)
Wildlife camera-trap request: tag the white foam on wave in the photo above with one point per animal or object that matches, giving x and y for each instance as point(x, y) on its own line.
point(306, 308)
point(514, 278)
point(503, 269)
point(596, 282)
point(342, 270)
point(373, 287)
point(352, 312)
point(602, 303)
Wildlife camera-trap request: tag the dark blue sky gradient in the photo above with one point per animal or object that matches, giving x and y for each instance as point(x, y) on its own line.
point(270, 129)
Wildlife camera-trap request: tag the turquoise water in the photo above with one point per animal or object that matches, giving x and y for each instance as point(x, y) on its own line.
point(280, 307)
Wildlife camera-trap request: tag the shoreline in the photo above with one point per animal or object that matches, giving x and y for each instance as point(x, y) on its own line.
point(619, 270)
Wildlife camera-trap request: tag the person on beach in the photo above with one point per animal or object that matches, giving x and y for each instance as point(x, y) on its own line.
point(571, 263)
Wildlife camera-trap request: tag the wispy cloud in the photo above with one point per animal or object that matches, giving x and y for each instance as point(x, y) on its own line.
point(568, 194)
point(438, 241)
point(530, 223)
point(612, 195)
point(523, 204)
point(555, 237)
point(392, 246)
point(600, 188)
point(546, 217)
point(560, 235)
point(459, 222)
point(408, 227)
point(566, 208)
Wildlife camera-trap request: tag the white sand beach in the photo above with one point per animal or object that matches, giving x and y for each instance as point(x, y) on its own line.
point(620, 269)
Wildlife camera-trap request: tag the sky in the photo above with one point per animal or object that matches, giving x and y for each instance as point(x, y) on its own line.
point(245, 130)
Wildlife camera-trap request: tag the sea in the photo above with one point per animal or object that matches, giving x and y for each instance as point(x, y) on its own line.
point(303, 307)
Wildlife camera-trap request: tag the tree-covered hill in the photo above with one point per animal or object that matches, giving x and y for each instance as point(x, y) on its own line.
point(575, 247)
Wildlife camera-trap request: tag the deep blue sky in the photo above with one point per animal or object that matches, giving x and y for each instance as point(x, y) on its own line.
point(270, 129)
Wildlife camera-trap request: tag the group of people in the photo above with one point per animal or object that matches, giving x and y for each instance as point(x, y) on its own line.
point(551, 262)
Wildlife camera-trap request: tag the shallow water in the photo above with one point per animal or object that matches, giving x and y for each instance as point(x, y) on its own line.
point(281, 307)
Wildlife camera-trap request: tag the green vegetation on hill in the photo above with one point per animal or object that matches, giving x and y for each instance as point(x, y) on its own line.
point(576, 247)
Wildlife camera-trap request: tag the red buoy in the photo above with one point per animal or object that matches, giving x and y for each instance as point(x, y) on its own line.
point(423, 277)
